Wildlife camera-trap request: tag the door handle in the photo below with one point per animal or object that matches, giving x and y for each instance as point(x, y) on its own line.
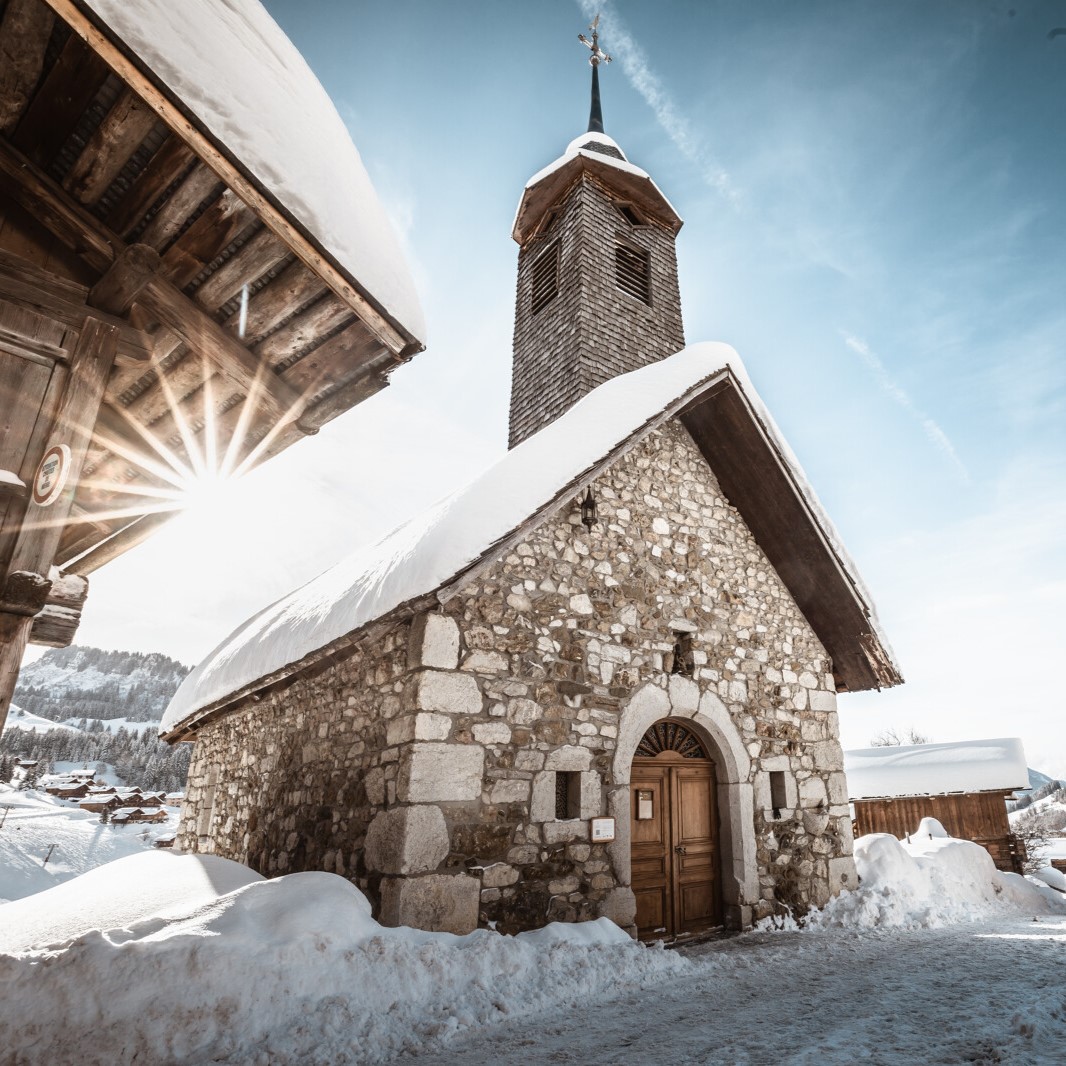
point(680, 849)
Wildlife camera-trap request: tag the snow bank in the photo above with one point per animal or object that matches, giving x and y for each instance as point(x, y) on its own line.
point(116, 895)
point(244, 80)
point(295, 970)
point(930, 881)
point(432, 550)
point(932, 769)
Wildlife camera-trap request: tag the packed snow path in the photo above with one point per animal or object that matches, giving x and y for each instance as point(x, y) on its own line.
point(991, 992)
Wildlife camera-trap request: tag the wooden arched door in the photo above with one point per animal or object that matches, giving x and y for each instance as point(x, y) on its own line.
point(674, 834)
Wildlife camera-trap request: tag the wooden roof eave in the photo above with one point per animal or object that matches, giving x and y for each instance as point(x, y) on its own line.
point(758, 481)
point(539, 198)
point(99, 37)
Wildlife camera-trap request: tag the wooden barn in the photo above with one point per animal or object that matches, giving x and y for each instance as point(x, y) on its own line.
point(964, 785)
point(195, 273)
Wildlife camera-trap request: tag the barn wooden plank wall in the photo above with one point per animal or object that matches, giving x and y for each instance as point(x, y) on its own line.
point(977, 816)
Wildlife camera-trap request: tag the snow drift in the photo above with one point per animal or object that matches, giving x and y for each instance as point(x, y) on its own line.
point(928, 881)
point(293, 970)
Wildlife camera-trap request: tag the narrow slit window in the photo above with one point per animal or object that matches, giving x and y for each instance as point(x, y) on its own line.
point(631, 271)
point(545, 284)
point(682, 662)
point(777, 791)
point(567, 794)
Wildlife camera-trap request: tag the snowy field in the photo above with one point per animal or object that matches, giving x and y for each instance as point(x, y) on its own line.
point(37, 827)
point(937, 958)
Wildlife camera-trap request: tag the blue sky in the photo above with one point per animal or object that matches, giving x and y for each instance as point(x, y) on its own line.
point(874, 216)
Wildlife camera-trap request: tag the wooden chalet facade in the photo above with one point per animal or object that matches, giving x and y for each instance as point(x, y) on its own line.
point(160, 301)
point(964, 786)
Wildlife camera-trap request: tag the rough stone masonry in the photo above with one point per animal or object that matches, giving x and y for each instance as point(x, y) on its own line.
point(422, 765)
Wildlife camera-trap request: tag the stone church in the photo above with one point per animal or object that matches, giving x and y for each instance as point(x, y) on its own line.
point(601, 679)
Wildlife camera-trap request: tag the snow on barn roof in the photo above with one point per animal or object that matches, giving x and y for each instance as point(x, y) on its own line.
point(435, 550)
point(934, 769)
point(244, 82)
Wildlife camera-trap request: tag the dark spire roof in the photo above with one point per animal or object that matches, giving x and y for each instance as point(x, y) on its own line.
point(595, 112)
point(598, 56)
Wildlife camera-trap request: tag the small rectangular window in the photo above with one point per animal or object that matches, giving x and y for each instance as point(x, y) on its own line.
point(545, 278)
point(682, 662)
point(631, 271)
point(567, 794)
point(777, 791)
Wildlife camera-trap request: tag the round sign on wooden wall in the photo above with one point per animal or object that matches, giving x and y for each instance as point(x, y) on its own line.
point(51, 475)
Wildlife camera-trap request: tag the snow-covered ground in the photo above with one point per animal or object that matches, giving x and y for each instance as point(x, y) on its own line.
point(33, 723)
point(937, 957)
point(33, 822)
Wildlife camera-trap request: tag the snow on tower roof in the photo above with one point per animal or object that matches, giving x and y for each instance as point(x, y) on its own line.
point(244, 83)
point(934, 769)
point(594, 153)
point(437, 549)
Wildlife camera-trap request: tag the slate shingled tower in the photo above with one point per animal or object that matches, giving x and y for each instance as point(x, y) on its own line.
point(597, 276)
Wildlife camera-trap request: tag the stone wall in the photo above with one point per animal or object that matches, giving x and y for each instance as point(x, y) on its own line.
point(427, 774)
point(592, 331)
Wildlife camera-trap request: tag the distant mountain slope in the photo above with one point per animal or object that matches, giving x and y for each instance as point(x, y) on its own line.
point(78, 682)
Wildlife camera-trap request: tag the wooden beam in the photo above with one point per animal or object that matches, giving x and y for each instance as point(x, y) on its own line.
point(251, 261)
point(203, 334)
point(28, 186)
point(336, 403)
point(109, 148)
point(42, 527)
point(202, 242)
point(122, 377)
point(172, 308)
point(295, 286)
point(64, 302)
point(303, 329)
point(127, 276)
point(344, 355)
point(166, 223)
point(132, 534)
point(24, 33)
point(171, 160)
point(55, 625)
point(64, 93)
point(247, 186)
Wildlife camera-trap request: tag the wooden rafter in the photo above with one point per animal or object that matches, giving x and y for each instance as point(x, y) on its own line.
point(24, 32)
point(233, 173)
point(84, 234)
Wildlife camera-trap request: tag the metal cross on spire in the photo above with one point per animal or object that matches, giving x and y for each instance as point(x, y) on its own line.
point(597, 57)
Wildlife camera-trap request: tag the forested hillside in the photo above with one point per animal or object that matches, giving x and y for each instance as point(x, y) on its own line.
point(79, 682)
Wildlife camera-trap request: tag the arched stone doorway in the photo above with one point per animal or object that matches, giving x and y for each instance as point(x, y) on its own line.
point(675, 838)
point(709, 718)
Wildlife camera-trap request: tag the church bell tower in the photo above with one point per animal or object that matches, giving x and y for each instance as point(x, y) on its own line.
point(597, 274)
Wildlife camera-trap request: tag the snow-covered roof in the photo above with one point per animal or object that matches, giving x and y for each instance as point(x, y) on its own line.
point(246, 84)
point(933, 769)
point(434, 550)
point(595, 152)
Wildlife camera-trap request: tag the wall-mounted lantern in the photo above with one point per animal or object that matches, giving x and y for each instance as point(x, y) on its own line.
point(588, 509)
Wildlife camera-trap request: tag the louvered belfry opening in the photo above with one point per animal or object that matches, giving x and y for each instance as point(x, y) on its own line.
point(545, 279)
point(631, 271)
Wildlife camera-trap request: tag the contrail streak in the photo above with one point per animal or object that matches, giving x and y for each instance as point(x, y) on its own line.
point(889, 387)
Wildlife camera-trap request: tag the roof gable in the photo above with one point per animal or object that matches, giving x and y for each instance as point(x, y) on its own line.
point(434, 552)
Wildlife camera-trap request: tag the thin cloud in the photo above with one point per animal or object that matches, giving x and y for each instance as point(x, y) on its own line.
point(638, 71)
point(890, 388)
